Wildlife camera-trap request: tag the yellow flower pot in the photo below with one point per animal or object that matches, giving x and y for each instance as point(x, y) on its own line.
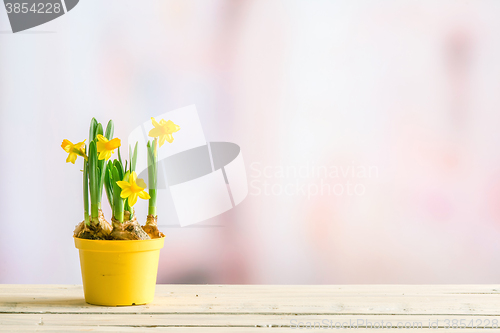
point(119, 272)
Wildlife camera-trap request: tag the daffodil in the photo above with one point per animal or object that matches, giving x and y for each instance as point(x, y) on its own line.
point(106, 147)
point(74, 150)
point(163, 130)
point(132, 189)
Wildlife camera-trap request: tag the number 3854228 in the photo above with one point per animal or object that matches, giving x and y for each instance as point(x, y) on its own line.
point(36, 8)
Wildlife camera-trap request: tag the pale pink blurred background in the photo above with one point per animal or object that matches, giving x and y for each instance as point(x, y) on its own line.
point(410, 89)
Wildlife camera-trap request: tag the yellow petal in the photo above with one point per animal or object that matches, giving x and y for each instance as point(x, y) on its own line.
point(132, 199)
point(170, 138)
point(162, 140)
point(154, 132)
point(141, 183)
point(107, 155)
point(71, 158)
point(66, 145)
point(155, 123)
point(80, 145)
point(122, 184)
point(102, 138)
point(125, 193)
point(143, 195)
point(133, 177)
point(101, 146)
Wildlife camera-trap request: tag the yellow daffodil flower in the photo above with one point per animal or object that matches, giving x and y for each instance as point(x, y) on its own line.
point(74, 150)
point(133, 188)
point(106, 147)
point(164, 130)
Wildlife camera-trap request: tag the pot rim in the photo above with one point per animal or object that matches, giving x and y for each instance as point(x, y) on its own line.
point(119, 245)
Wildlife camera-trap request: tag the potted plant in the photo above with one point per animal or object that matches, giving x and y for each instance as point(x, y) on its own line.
point(119, 260)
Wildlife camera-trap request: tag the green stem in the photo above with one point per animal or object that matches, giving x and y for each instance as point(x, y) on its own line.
point(86, 193)
point(118, 202)
point(94, 212)
point(126, 206)
point(93, 183)
point(118, 209)
point(152, 175)
point(152, 202)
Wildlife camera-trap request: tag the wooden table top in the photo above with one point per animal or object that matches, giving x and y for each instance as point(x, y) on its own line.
point(256, 308)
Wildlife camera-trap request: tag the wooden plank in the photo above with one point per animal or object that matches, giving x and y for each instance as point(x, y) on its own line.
point(341, 289)
point(209, 308)
point(256, 299)
point(244, 320)
point(201, 329)
point(153, 329)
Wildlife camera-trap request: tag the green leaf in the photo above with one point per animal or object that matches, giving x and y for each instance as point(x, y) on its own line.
point(117, 164)
point(93, 180)
point(153, 164)
point(101, 164)
point(102, 174)
point(110, 128)
point(86, 191)
point(130, 155)
point(92, 130)
point(108, 183)
point(155, 150)
point(126, 207)
point(133, 159)
point(99, 129)
point(110, 167)
point(152, 175)
point(120, 156)
point(99, 182)
point(117, 200)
